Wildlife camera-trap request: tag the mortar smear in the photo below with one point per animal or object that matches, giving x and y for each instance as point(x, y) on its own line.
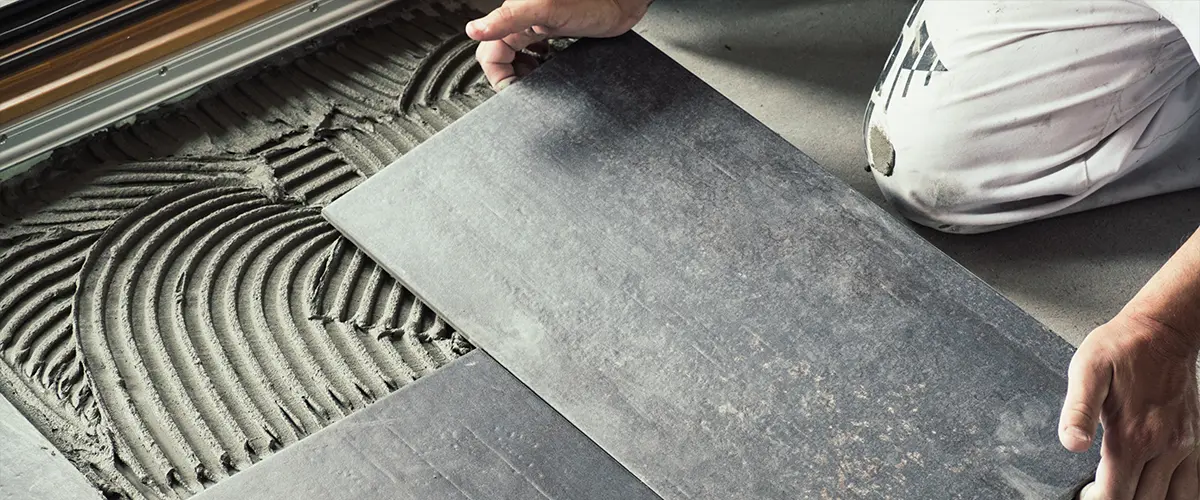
point(174, 309)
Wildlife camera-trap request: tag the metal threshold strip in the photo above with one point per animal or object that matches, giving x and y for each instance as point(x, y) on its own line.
point(34, 118)
point(54, 37)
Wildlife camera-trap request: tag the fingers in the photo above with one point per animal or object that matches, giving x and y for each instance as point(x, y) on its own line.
point(1185, 484)
point(512, 17)
point(1156, 477)
point(496, 57)
point(516, 24)
point(1118, 474)
point(1087, 387)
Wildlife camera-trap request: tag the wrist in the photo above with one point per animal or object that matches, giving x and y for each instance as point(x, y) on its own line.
point(1157, 328)
point(1169, 304)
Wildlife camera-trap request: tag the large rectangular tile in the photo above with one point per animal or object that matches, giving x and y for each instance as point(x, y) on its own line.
point(469, 430)
point(706, 303)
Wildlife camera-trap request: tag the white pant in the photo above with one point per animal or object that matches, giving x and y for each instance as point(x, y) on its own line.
point(993, 113)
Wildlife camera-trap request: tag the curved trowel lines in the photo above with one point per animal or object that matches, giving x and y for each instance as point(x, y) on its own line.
point(174, 309)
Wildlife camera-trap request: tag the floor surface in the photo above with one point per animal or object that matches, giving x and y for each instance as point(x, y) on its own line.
point(805, 69)
point(32, 467)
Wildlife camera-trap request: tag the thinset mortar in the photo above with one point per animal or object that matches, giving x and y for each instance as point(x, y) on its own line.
point(173, 308)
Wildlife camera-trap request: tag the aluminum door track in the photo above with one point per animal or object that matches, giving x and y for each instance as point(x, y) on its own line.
point(23, 140)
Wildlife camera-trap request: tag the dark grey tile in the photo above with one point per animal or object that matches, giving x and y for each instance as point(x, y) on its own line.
point(469, 430)
point(706, 303)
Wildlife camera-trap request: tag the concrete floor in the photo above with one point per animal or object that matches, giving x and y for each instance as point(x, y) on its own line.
point(805, 69)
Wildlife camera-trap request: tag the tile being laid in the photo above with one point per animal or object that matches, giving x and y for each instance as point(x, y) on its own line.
point(707, 304)
point(469, 430)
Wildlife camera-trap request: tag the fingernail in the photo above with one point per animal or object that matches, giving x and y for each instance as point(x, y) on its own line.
point(503, 84)
point(1078, 434)
point(477, 25)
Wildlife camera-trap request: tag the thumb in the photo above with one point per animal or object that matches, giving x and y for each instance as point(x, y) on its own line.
point(1088, 382)
point(512, 17)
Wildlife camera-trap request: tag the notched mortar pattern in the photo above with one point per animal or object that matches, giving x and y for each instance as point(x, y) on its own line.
point(172, 306)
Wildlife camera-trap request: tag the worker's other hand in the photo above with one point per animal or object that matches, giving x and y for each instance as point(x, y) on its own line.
point(523, 24)
point(1137, 376)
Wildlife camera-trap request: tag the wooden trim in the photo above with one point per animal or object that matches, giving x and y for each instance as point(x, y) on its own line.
point(121, 52)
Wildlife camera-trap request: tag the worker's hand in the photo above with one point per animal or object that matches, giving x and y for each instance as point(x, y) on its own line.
point(520, 24)
point(1138, 377)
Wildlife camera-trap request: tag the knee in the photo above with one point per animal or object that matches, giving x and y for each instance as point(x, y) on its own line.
point(958, 193)
point(933, 190)
point(941, 201)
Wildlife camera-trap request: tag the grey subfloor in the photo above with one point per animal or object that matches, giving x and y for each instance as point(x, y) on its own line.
point(30, 467)
point(805, 69)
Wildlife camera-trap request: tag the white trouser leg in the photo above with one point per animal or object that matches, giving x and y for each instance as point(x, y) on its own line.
point(994, 113)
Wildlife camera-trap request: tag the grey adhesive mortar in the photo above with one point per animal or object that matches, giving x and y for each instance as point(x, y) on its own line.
point(173, 308)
